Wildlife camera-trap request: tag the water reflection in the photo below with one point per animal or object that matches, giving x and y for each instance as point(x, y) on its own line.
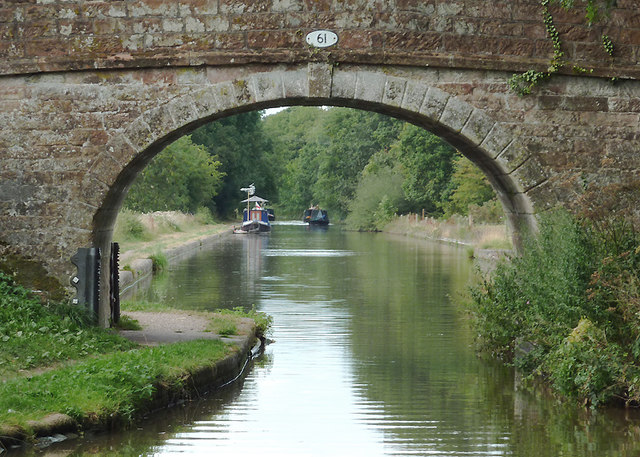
point(372, 357)
point(254, 262)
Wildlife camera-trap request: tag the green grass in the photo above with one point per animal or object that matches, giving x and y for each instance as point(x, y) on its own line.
point(112, 386)
point(33, 334)
point(151, 232)
point(223, 325)
point(129, 228)
point(159, 261)
point(127, 323)
point(219, 324)
point(263, 321)
point(53, 360)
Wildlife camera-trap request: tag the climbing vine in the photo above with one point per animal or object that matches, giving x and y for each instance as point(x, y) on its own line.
point(607, 44)
point(524, 83)
point(594, 9)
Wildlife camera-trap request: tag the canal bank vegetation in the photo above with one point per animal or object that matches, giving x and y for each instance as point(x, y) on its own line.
point(60, 373)
point(567, 309)
point(456, 230)
point(106, 391)
point(363, 167)
point(146, 235)
point(34, 334)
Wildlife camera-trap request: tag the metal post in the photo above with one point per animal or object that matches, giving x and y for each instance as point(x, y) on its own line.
point(87, 280)
point(114, 282)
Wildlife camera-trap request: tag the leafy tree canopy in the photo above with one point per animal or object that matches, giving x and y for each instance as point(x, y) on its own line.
point(470, 187)
point(245, 155)
point(331, 157)
point(342, 159)
point(428, 165)
point(182, 177)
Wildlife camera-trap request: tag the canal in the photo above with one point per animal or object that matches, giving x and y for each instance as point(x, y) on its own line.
point(372, 356)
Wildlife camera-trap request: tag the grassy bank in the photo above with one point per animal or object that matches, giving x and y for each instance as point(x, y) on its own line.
point(147, 235)
point(36, 334)
point(566, 310)
point(454, 230)
point(55, 363)
point(106, 390)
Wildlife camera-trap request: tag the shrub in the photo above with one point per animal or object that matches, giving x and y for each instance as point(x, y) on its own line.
point(586, 366)
point(159, 261)
point(376, 200)
point(489, 212)
point(204, 216)
point(572, 300)
point(538, 295)
point(130, 228)
point(385, 212)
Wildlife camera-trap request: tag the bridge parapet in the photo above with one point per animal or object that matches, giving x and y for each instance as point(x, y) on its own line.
point(60, 35)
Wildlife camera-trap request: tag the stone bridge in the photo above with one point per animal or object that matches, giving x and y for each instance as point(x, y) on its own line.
point(90, 91)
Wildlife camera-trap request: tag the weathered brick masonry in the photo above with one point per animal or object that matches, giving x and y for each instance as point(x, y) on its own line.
point(90, 91)
point(63, 35)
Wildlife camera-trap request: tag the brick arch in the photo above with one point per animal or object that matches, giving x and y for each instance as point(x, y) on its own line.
point(483, 140)
point(486, 142)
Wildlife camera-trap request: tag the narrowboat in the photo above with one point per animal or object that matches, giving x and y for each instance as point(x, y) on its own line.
point(315, 216)
point(254, 219)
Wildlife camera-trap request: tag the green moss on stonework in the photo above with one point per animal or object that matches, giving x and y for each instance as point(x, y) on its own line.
point(241, 83)
point(32, 275)
point(243, 87)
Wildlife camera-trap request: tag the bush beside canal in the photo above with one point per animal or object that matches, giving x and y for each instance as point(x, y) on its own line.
point(567, 309)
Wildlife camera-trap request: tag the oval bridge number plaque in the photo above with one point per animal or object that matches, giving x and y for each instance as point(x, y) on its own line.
point(322, 38)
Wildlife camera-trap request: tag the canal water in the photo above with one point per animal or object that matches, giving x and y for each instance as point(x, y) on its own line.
point(372, 356)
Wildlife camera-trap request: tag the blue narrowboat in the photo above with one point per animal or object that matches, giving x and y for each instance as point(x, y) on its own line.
point(254, 219)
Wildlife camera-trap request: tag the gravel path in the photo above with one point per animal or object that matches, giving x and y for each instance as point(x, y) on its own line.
point(174, 326)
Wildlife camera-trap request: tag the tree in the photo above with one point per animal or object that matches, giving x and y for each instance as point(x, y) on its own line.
point(377, 199)
point(182, 177)
point(470, 187)
point(427, 167)
point(297, 135)
point(320, 153)
point(354, 136)
point(245, 154)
